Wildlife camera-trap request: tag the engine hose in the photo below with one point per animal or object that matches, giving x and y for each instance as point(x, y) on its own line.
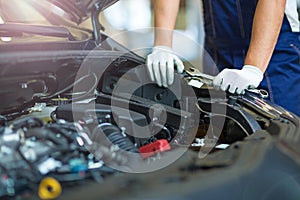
point(63, 131)
point(27, 122)
point(3, 121)
point(115, 136)
point(44, 133)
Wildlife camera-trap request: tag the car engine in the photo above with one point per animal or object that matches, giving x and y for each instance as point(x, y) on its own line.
point(70, 131)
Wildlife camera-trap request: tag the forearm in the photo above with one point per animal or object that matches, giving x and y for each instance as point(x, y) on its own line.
point(164, 21)
point(266, 27)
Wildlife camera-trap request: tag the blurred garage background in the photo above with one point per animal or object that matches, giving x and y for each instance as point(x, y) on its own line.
point(130, 21)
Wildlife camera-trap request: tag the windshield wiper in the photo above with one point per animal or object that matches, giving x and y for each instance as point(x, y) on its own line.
point(15, 29)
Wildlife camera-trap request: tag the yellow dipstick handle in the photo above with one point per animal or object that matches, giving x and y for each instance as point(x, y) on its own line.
point(49, 188)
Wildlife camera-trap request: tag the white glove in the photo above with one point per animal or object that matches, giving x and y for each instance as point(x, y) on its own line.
point(160, 65)
point(236, 81)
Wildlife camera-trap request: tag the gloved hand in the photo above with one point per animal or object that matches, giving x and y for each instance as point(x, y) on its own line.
point(160, 65)
point(236, 81)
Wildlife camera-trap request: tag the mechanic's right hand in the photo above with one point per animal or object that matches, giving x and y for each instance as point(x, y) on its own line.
point(160, 65)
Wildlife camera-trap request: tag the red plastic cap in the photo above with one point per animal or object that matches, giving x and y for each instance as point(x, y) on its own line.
point(154, 147)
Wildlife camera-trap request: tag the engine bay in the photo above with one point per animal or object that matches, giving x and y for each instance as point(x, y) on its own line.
point(88, 117)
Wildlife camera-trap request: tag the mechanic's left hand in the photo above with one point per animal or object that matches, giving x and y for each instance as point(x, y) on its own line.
point(236, 81)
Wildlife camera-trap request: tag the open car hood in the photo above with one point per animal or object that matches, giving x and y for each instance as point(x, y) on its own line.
point(79, 10)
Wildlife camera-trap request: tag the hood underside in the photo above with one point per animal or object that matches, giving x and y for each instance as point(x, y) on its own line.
point(80, 10)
